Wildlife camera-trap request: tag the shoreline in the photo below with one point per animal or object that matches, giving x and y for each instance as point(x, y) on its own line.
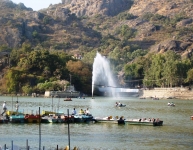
point(166, 93)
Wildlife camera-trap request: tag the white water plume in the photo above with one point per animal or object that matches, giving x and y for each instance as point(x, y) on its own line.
point(102, 75)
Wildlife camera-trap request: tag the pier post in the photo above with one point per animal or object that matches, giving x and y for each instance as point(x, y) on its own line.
point(68, 129)
point(39, 130)
point(12, 145)
point(26, 144)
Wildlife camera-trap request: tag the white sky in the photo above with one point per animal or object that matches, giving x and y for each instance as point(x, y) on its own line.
point(37, 4)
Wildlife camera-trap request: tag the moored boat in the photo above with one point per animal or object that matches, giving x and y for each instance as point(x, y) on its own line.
point(20, 118)
point(82, 118)
point(32, 118)
point(108, 119)
point(68, 99)
point(66, 119)
point(4, 119)
point(57, 119)
point(149, 122)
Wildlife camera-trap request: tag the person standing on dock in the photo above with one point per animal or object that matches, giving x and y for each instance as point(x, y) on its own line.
point(4, 108)
point(17, 106)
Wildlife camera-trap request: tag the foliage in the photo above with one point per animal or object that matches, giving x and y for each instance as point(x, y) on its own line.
point(13, 81)
point(125, 16)
point(81, 75)
point(35, 34)
point(126, 32)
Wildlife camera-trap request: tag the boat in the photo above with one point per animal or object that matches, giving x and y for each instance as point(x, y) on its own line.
point(155, 98)
point(82, 118)
point(68, 99)
point(32, 118)
point(108, 119)
point(52, 118)
point(46, 113)
point(142, 97)
point(148, 122)
point(19, 118)
point(120, 105)
point(4, 119)
point(171, 104)
point(65, 119)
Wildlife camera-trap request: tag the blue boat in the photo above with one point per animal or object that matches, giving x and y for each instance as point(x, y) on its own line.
point(20, 118)
point(82, 118)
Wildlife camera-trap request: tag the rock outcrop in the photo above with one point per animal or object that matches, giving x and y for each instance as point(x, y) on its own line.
point(94, 7)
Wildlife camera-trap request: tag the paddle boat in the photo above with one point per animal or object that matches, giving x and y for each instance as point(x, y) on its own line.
point(17, 118)
point(82, 118)
point(51, 118)
point(31, 118)
point(144, 121)
point(119, 104)
point(171, 104)
point(4, 119)
point(66, 118)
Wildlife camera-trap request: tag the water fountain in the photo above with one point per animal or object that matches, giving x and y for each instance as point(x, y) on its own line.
point(102, 75)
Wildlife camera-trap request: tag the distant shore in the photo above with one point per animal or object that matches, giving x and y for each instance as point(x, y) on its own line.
point(164, 93)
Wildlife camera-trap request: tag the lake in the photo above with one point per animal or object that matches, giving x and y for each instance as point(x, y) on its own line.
point(175, 134)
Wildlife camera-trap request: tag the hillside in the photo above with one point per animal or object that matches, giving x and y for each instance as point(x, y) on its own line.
point(73, 24)
point(123, 30)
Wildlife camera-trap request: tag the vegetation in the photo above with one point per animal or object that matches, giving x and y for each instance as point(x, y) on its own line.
point(42, 50)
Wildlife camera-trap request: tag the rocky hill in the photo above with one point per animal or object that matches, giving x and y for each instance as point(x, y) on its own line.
point(158, 25)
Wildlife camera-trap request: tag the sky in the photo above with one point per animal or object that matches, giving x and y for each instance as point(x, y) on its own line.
point(37, 4)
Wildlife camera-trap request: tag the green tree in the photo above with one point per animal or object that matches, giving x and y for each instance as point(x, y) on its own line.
point(170, 72)
point(13, 81)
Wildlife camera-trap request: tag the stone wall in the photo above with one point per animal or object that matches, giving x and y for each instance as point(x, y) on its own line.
point(179, 93)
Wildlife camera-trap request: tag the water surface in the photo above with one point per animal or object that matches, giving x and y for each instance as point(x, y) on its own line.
point(175, 134)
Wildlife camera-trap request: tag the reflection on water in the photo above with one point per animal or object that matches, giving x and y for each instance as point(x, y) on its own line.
point(175, 134)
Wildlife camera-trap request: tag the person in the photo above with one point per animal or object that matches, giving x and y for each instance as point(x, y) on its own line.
point(116, 104)
point(87, 111)
point(17, 106)
point(74, 112)
point(81, 111)
point(4, 108)
point(120, 104)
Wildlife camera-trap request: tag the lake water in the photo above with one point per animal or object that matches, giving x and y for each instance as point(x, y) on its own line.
point(175, 134)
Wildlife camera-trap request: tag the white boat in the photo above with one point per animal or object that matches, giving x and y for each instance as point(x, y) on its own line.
point(109, 119)
point(171, 104)
point(120, 105)
point(153, 122)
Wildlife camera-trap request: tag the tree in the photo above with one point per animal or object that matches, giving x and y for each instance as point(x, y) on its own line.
point(170, 71)
point(82, 75)
point(13, 81)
